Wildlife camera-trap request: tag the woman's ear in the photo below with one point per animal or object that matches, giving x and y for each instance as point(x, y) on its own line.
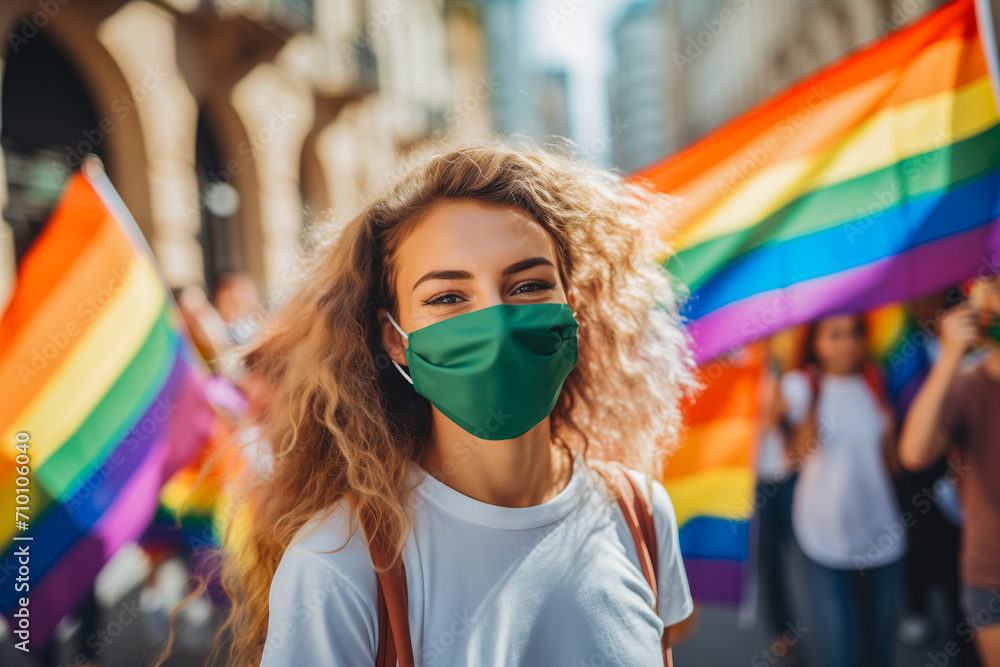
point(571, 302)
point(392, 341)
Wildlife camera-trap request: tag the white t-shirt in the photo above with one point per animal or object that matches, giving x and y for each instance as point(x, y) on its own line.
point(553, 584)
point(844, 511)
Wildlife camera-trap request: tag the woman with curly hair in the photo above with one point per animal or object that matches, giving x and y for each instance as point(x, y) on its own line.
point(451, 371)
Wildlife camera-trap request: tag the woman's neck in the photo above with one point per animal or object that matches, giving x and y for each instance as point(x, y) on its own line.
point(522, 472)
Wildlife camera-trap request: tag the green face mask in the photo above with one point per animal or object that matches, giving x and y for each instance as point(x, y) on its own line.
point(496, 372)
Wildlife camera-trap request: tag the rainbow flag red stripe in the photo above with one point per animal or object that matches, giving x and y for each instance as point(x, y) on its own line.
point(98, 374)
point(875, 180)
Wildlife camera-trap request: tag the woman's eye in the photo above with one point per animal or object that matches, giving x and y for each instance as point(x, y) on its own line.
point(533, 286)
point(445, 299)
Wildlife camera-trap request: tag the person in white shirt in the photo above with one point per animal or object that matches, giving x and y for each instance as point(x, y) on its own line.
point(845, 515)
point(550, 584)
point(455, 361)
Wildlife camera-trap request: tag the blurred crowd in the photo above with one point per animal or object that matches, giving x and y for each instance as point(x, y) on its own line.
point(878, 484)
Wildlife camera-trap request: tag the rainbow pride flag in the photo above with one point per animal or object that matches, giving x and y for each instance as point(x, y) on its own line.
point(711, 477)
point(97, 373)
point(192, 515)
point(875, 180)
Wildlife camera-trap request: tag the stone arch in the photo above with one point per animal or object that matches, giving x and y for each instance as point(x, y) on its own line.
point(316, 198)
point(73, 27)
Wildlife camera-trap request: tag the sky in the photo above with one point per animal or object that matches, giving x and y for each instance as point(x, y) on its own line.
point(576, 35)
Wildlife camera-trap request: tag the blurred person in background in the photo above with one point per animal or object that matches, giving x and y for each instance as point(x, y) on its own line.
point(211, 334)
point(205, 326)
point(237, 300)
point(845, 515)
point(957, 414)
point(928, 495)
point(775, 485)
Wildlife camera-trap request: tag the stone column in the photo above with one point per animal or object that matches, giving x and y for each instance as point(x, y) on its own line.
point(141, 37)
point(277, 111)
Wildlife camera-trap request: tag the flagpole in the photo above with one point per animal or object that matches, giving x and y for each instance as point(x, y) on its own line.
point(987, 14)
point(93, 170)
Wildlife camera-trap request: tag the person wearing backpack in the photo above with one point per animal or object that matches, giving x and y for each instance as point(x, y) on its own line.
point(845, 514)
point(470, 395)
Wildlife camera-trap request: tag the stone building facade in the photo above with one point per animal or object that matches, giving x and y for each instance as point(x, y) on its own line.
point(226, 125)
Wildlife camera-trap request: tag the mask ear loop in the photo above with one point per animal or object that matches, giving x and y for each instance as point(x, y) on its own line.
point(403, 334)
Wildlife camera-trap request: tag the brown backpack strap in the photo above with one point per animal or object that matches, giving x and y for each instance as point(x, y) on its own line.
point(393, 610)
point(386, 653)
point(644, 512)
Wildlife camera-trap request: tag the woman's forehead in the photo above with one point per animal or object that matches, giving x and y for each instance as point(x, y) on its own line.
point(839, 322)
point(469, 235)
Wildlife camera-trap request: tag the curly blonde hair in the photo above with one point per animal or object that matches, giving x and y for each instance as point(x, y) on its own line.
point(342, 428)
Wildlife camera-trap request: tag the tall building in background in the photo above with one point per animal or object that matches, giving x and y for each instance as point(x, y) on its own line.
point(641, 91)
point(469, 115)
point(721, 58)
point(553, 102)
point(226, 125)
point(512, 101)
point(526, 96)
point(723, 55)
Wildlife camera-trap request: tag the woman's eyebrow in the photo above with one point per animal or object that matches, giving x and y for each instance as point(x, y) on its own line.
point(516, 267)
point(526, 264)
point(443, 275)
